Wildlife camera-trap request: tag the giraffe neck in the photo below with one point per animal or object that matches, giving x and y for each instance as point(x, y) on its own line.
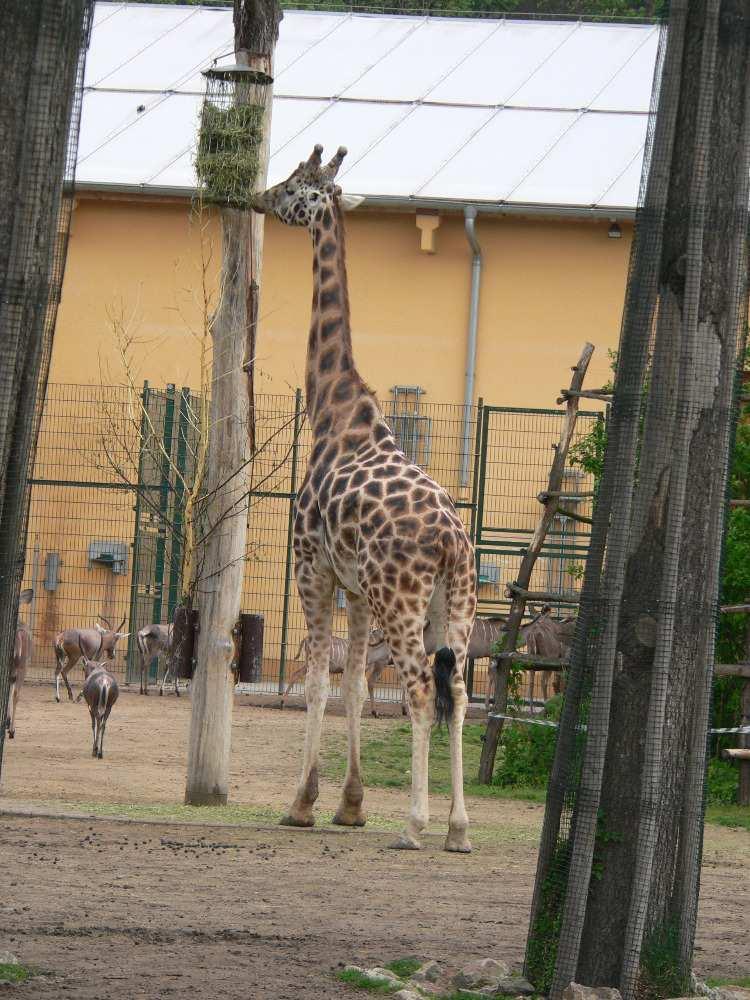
point(331, 378)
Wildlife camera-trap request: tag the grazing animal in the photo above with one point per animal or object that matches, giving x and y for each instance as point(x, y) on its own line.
point(100, 692)
point(484, 634)
point(551, 640)
point(378, 655)
point(83, 643)
point(152, 640)
point(22, 649)
point(369, 520)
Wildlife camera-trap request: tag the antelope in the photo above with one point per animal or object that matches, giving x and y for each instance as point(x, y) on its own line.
point(378, 656)
point(484, 634)
point(22, 649)
point(83, 643)
point(152, 640)
point(551, 639)
point(100, 691)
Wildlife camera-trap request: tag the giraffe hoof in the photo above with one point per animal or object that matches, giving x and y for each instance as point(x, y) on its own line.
point(458, 844)
point(300, 821)
point(404, 843)
point(343, 818)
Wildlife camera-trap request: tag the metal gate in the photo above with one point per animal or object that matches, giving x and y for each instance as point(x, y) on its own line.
point(515, 448)
point(166, 459)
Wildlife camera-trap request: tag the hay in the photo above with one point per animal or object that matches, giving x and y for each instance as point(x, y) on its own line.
point(227, 159)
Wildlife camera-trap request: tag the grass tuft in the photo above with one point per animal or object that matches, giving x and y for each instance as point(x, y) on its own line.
point(743, 982)
point(363, 982)
point(403, 967)
point(13, 973)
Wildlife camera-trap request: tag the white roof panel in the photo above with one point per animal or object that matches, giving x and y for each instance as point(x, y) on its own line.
point(342, 56)
point(509, 55)
point(483, 168)
point(583, 66)
point(141, 145)
point(300, 33)
point(341, 123)
point(427, 54)
point(485, 110)
point(402, 160)
point(585, 162)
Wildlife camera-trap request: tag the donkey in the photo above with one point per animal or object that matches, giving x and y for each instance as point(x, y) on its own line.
point(378, 655)
point(100, 691)
point(22, 649)
point(84, 643)
point(153, 640)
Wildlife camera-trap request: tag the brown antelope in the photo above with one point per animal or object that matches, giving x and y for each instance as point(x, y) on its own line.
point(152, 640)
point(551, 638)
point(378, 656)
point(83, 643)
point(100, 691)
point(22, 649)
point(484, 634)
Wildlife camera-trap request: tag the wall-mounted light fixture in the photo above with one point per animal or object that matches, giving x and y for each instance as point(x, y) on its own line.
point(615, 233)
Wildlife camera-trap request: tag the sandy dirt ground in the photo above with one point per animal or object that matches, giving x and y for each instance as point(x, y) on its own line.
point(129, 910)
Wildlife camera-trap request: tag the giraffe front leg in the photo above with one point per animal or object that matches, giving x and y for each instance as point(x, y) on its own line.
point(349, 812)
point(316, 593)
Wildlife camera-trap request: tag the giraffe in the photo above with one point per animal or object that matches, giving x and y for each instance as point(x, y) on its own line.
point(370, 521)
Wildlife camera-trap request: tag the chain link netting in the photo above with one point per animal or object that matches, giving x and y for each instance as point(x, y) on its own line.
point(44, 46)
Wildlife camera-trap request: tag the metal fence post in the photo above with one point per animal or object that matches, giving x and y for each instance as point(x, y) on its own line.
point(133, 614)
point(164, 491)
point(289, 533)
point(473, 522)
point(175, 553)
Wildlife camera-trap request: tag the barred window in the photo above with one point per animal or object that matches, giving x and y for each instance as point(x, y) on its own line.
point(411, 429)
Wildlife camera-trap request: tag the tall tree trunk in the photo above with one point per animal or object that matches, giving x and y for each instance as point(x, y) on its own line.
point(693, 420)
point(42, 62)
point(222, 560)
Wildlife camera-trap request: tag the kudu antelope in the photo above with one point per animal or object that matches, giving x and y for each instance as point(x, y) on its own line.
point(83, 643)
point(549, 638)
point(22, 649)
point(100, 692)
point(378, 655)
point(484, 634)
point(153, 640)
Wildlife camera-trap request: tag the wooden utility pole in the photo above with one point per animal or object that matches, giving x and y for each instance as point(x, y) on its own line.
point(231, 439)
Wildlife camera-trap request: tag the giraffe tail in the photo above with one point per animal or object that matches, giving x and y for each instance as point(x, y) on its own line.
point(445, 664)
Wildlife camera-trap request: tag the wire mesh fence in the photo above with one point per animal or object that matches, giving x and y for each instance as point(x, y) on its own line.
point(44, 49)
point(106, 495)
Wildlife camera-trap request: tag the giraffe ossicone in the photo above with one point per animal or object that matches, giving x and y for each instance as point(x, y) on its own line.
point(368, 520)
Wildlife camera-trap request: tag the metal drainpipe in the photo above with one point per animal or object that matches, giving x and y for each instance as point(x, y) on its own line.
point(470, 215)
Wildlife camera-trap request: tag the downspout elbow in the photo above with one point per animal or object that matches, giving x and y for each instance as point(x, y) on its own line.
point(470, 215)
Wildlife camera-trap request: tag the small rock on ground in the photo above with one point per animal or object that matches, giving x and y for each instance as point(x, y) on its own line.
point(514, 986)
point(429, 972)
point(8, 958)
point(482, 972)
point(575, 991)
point(383, 976)
point(407, 995)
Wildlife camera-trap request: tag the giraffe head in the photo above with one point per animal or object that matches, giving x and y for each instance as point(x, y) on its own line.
point(304, 195)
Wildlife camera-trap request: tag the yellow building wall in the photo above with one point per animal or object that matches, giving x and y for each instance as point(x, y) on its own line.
point(547, 287)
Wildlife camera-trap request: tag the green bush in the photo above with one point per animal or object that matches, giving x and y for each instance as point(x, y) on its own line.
point(723, 782)
point(527, 751)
